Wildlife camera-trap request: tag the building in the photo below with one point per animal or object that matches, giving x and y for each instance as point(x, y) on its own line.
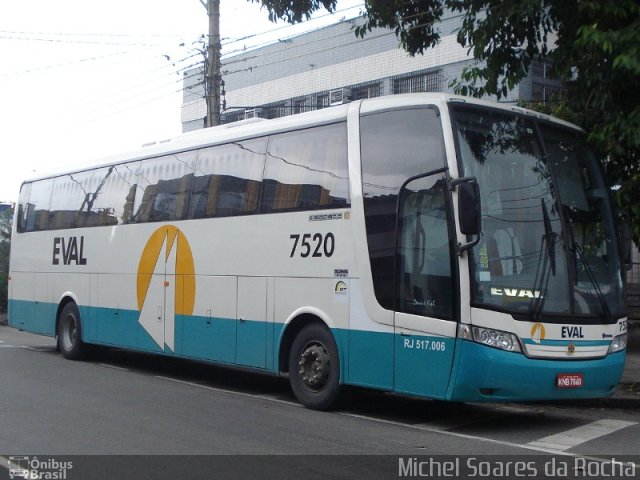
point(331, 65)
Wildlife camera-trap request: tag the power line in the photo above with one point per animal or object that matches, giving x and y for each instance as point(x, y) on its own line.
point(60, 65)
point(289, 26)
point(133, 90)
point(75, 41)
point(90, 34)
point(179, 66)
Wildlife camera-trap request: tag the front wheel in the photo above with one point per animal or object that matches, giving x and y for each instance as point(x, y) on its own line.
point(314, 368)
point(70, 333)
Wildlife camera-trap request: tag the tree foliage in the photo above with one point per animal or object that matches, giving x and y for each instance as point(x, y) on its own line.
point(593, 45)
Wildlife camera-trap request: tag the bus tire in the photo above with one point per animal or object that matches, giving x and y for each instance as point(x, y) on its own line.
point(70, 341)
point(314, 368)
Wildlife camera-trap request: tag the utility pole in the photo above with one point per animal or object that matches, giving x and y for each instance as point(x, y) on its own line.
point(212, 67)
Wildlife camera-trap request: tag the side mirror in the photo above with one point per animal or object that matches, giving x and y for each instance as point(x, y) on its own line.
point(469, 208)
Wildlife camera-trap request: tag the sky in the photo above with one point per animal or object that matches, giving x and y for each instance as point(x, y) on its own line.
point(81, 79)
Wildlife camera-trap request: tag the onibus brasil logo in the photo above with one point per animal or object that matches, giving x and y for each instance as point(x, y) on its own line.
point(166, 285)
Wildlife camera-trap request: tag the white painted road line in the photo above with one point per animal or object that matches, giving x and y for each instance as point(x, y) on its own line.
point(232, 392)
point(571, 438)
point(114, 367)
point(462, 420)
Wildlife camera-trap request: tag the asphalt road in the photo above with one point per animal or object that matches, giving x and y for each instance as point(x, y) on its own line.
point(124, 403)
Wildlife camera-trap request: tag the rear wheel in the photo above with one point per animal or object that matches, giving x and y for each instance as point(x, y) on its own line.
point(314, 368)
point(70, 333)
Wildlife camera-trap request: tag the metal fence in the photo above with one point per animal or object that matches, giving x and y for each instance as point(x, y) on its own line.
point(633, 286)
point(633, 275)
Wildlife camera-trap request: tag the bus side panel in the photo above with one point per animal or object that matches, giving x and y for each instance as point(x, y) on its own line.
point(210, 333)
point(251, 332)
point(20, 288)
point(370, 346)
point(325, 298)
point(31, 307)
point(21, 305)
point(76, 286)
point(117, 317)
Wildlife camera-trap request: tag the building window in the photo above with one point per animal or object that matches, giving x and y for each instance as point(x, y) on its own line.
point(430, 81)
point(537, 68)
point(275, 110)
point(234, 116)
point(368, 90)
point(298, 105)
point(542, 69)
point(547, 93)
point(322, 100)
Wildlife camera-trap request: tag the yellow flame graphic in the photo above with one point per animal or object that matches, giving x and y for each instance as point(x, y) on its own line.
point(538, 332)
point(185, 269)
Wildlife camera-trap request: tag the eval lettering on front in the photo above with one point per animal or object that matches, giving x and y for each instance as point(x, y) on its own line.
point(69, 251)
point(572, 332)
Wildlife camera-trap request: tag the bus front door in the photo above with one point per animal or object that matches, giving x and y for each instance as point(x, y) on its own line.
point(425, 327)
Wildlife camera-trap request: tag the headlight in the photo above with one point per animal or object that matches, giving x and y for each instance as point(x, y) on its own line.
point(618, 343)
point(492, 338)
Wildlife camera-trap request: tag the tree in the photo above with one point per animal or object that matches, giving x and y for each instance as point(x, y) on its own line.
point(594, 45)
point(6, 217)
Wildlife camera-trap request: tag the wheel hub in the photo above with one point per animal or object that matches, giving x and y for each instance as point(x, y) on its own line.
point(69, 332)
point(314, 366)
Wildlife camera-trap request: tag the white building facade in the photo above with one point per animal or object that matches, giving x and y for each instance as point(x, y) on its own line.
point(331, 65)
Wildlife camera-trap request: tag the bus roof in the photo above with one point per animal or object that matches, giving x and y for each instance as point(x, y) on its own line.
point(242, 130)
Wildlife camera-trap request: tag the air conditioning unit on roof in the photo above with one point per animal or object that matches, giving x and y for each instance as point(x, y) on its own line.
point(253, 113)
point(339, 96)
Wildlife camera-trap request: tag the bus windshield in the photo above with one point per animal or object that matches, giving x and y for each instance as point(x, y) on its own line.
point(548, 245)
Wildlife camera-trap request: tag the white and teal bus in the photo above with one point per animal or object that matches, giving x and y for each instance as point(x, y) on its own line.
point(424, 244)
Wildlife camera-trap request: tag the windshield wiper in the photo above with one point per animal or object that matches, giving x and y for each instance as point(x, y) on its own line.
point(548, 264)
point(549, 237)
point(594, 282)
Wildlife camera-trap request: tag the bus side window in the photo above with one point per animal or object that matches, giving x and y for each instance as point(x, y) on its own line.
point(228, 180)
point(395, 145)
point(425, 283)
point(164, 186)
point(37, 206)
point(24, 207)
point(65, 202)
point(307, 170)
point(112, 194)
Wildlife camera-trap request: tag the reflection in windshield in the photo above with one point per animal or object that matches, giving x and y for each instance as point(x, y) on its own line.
point(585, 204)
point(526, 261)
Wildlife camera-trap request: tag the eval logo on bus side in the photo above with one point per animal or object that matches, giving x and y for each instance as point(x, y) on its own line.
point(166, 284)
point(538, 333)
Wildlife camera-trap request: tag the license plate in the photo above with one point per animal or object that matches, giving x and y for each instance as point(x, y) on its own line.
point(569, 380)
